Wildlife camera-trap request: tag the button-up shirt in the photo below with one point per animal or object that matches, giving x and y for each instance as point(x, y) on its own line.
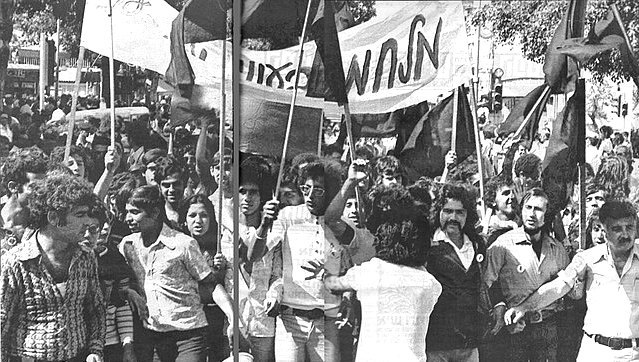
point(612, 300)
point(512, 261)
point(37, 320)
point(170, 270)
point(305, 237)
point(466, 253)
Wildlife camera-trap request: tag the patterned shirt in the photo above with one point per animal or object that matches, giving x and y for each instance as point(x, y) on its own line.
point(37, 320)
point(613, 301)
point(513, 262)
point(305, 237)
point(168, 273)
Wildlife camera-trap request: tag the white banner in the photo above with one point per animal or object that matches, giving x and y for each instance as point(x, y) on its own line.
point(417, 52)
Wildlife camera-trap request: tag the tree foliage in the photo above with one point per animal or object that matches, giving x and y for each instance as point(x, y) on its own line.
point(533, 23)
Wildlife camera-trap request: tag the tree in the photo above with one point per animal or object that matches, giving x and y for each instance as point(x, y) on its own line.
point(533, 23)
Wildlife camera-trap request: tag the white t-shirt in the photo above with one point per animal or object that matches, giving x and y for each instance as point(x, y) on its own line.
point(396, 305)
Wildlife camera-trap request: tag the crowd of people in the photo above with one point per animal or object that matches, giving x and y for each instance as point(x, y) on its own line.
point(114, 254)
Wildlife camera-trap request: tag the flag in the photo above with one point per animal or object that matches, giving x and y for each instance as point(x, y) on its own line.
point(566, 147)
point(198, 21)
point(424, 151)
point(605, 34)
point(263, 127)
point(324, 32)
point(561, 72)
point(523, 108)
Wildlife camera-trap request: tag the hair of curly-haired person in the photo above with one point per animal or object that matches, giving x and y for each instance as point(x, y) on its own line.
point(328, 169)
point(391, 203)
point(592, 219)
point(57, 193)
point(460, 193)
point(493, 185)
point(121, 189)
point(256, 170)
point(613, 177)
point(57, 155)
point(388, 165)
point(167, 166)
point(20, 162)
point(528, 165)
point(617, 209)
point(401, 242)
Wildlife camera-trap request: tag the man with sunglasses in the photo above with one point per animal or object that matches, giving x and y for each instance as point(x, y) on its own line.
point(305, 326)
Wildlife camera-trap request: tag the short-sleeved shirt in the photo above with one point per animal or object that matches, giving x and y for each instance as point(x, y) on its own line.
point(171, 269)
point(512, 261)
point(397, 301)
point(361, 248)
point(613, 301)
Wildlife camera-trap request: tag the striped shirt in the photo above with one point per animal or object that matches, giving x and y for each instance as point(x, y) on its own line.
point(37, 321)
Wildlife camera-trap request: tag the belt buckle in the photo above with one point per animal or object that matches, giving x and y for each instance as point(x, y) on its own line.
point(536, 317)
point(616, 343)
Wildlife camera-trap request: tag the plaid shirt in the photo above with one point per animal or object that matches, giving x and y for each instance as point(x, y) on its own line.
point(37, 320)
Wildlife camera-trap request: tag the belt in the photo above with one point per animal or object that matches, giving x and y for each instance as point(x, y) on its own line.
point(614, 343)
point(539, 316)
point(315, 313)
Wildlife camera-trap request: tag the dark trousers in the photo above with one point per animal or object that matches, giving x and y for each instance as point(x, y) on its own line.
point(218, 343)
point(536, 343)
point(173, 346)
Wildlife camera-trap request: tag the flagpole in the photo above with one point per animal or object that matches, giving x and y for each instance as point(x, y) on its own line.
point(222, 137)
point(351, 148)
point(112, 77)
point(293, 99)
point(615, 12)
point(480, 158)
point(74, 104)
point(319, 138)
point(532, 110)
point(453, 136)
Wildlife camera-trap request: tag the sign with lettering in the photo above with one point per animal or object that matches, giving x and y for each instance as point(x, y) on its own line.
point(391, 62)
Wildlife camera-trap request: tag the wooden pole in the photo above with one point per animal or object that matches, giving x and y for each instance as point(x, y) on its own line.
point(222, 136)
point(112, 76)
point(42, 86)
point(170, 148)
point(480, 158)
point(236, 56)
point(351, 148)
point(74, 104)
point(319, 138)
point(453, 137)
point(582, 206)
point(293, 99)
point(57, 60)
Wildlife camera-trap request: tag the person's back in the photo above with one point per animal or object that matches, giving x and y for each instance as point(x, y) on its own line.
point(397, 301)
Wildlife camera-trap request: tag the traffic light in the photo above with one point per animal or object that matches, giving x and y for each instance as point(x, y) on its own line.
point(624, 109)
point(497, 98)
point(51, 48)
point(616, 104)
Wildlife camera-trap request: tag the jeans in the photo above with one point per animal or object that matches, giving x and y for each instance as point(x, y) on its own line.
point(173, 346)
point(299, 339)
point(262, 348)
point(453, 355)
point(536, 343)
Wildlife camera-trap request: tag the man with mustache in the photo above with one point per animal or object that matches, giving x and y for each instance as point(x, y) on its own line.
point(455, 259)
point(521, 260)
point(609, 275)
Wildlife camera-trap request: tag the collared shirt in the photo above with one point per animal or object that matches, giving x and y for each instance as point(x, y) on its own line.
point(170, 270)
point(304, 238)
point(613, 301)
point(513, 262)
point(37, 321)
point(467, 252)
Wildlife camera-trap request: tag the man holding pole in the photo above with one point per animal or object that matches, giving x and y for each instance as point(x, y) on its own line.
point(609, 275)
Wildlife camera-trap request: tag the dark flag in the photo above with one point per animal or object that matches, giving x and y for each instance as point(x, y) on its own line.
point(198, 21)
point(523, 108)
point(423, 154)
point(561, 72)
point(566, 148)
point(606, 34)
